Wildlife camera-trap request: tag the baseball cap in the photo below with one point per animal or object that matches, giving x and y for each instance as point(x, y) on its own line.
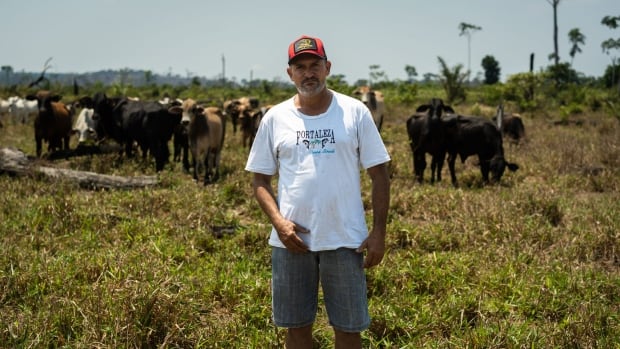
point(306, 44)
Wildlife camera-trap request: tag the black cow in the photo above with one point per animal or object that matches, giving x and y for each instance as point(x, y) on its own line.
point(149, 124)
point(426, 135)
point(510, 125)
point(53, 123)
point(472, 135)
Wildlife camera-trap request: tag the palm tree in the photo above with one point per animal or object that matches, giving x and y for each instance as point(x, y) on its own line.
point(555, 55)
point(452, 81)
point(467, 30)
point(576, 38)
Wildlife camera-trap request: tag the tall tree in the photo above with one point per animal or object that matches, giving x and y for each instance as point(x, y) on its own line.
point(411, 72)
point(555, 55)
point(467, 30)
point(375, 74)
point(7, 70)
point(576, 38)
point(491, 70)
point(611, 44)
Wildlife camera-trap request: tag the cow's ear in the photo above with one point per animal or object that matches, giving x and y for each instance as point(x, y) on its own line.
point(175, 110)
point(55, 98)
point(31, 97)
point(86, 102)
point(448, 109)
point(423, 108)
point(199, 109)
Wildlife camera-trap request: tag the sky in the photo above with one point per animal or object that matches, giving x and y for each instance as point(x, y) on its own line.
point(246, 40)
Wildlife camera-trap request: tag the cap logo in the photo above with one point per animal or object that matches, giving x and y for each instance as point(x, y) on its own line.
point(305, 44)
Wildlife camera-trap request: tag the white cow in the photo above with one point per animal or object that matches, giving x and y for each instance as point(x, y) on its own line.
point(22, 110)
point(4, 109)
point(84, 127)
point(374, 102)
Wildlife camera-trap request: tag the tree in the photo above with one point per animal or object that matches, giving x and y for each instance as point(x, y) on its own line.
point(411, 72)
point(467, 30)
point(7, 70)
point(611, 44)
point(576, 38)
point(491, 70)
point(555, 55)
point(452, 81)
point(376, 74)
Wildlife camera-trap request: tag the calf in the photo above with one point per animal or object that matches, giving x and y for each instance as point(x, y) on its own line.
point(205, 131)
point(426, 135)
point(510, 125)
point(472, 135)
point(374, 102)
point(52, 123)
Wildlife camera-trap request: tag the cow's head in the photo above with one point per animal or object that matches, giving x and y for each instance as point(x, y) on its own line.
point(190, 110)
point(367, 96)
point(44, 101)
point(434, 111)
point(498, 165)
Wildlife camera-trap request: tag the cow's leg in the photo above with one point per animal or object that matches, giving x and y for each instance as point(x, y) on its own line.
point(207, 175)
point(436, 166)
point(419, 164)
point(484, 169)
point(451, 160)
point(185, 156)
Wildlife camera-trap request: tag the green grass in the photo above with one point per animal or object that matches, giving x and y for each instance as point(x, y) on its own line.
point(531, 263)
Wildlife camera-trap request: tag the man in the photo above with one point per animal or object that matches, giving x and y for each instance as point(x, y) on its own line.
point(316, 142)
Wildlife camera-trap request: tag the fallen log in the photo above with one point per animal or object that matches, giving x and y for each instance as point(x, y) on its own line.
point(15, 162)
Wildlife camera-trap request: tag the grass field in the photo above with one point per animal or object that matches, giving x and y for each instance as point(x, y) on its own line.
point(531, 263)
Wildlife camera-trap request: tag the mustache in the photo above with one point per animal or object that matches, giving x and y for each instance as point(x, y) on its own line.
point(310, 80)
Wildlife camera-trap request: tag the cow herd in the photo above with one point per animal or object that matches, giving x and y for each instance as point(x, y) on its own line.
point(436, 129)
point(198, 131)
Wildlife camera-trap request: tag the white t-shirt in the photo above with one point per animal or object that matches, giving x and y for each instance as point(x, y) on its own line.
point(318, 161)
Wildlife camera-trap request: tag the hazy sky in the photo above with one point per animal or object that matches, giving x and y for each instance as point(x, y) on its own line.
point(190, 37)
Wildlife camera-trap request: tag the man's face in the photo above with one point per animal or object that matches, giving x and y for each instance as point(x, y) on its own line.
point(309, 73)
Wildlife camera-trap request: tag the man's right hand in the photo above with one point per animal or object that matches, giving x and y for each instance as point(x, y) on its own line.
point(287, 232)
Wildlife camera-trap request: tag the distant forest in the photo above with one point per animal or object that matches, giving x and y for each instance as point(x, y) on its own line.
point(110, 77)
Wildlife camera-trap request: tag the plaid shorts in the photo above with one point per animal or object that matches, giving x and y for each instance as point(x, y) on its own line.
point(295, 286)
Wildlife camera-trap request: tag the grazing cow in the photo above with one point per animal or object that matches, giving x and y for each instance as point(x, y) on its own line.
point(473, 135)
point(146, 122)
point(510, 125)
point(426, 135)
point(205, 131)
point(234, 107)
point(374, 102)
point(53, 122)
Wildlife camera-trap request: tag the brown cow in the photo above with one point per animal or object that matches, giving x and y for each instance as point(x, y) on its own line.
point(53, 123)
point(234, 107)
point(206, 128)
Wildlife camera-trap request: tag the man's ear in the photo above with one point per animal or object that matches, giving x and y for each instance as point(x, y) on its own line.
point(328, 65)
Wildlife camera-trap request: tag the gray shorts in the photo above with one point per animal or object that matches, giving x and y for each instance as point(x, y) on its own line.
point(295, 286)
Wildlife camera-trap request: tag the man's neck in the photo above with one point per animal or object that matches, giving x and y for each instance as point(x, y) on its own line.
point(314, 105)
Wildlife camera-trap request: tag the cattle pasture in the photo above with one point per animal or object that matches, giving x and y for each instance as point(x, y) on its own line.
point(531, 262)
